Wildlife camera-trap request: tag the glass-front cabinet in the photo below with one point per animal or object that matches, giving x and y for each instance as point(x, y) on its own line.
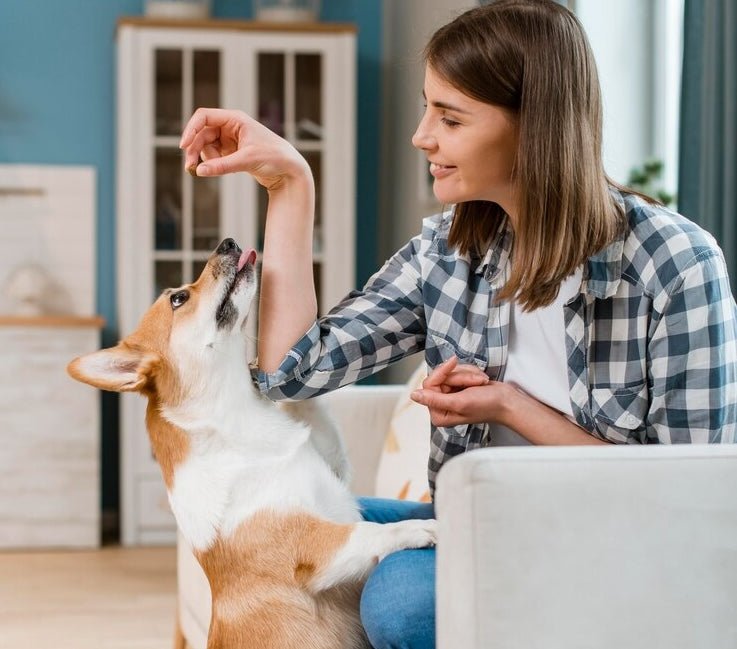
point(298, 82)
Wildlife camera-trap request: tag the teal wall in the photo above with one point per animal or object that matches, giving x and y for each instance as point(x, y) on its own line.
point(57, 82)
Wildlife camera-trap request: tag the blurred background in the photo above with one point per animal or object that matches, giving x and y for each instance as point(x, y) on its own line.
point(96, 214)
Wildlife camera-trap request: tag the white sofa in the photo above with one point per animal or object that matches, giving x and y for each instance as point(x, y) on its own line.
point(553, 548)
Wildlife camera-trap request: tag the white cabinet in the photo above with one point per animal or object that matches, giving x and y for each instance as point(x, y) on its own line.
point(50, 432)
point(300, 81)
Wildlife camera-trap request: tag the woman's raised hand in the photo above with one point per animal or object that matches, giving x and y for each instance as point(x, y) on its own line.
point(217, 142)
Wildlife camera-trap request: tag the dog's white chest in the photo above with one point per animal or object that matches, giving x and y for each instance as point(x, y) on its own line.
point(214, 493)
point(200, 496)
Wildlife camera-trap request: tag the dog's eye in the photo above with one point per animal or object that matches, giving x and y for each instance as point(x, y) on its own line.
point(178, 298)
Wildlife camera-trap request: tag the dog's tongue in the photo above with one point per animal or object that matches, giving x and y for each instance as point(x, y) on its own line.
point(247, 257)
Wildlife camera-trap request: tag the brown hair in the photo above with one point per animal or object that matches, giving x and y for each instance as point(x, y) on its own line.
point(532, 57)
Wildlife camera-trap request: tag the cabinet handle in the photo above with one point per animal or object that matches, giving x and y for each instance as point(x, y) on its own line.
point(6, 192)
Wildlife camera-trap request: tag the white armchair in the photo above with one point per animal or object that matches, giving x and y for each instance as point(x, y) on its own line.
point(553, 548)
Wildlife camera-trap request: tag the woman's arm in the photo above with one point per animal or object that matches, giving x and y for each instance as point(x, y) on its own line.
point(288, 303)
point(229, 141)
point(692, 357)
point(367, 331)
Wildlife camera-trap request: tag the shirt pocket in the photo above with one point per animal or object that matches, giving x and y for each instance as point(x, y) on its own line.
point(620, 412)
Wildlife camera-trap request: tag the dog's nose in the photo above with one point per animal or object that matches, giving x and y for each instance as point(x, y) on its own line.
point(228, 246)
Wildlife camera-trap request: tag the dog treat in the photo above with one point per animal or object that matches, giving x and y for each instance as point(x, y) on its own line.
point(192, 169)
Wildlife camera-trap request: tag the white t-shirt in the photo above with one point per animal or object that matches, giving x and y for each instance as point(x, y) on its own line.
point(536, 356)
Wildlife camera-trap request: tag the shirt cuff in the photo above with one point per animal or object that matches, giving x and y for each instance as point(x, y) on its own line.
point(298, 362)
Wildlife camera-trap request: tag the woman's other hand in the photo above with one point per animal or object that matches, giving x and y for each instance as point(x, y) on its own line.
point(459, 394)
point(462, 394)
point(451, 376)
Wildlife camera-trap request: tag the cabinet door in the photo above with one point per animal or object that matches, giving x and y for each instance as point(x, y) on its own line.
point(303, 90)
point(186, 213)
point(289, 101)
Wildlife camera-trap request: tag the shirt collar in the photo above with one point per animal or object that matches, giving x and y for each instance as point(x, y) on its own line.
point(493, 263)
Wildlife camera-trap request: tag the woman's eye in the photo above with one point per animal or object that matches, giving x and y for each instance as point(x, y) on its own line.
point(449, 122)
point(178, 298)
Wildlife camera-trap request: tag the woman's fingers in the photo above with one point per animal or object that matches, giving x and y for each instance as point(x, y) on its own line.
point(220, 165)
point(210, 133)
point(473, 404)
point(442, 406)
point(450, 374)
point(206, 117)
point(466, 377)
point(440, 373)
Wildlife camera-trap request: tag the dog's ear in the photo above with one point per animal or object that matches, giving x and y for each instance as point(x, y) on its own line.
point(119, 369)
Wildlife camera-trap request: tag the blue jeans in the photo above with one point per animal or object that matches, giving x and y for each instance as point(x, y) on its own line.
point(398, 600)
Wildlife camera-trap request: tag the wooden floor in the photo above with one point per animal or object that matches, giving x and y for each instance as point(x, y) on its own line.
point(113, 598)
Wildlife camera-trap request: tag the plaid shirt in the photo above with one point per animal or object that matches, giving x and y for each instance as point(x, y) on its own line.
point(651, 337)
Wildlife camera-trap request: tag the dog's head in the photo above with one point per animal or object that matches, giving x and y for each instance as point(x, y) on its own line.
point(184, 336)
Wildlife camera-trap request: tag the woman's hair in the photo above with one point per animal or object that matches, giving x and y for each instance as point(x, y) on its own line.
point(532, 58)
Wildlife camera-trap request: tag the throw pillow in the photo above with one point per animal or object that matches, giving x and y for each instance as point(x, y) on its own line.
point(402, 472)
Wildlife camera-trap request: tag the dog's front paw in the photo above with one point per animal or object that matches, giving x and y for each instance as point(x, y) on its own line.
point(418, 533)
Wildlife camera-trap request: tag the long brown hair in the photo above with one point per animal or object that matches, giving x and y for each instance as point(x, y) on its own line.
point(532, 57)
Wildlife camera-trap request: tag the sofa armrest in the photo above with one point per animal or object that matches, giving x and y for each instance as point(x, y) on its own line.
point(581, 547)
point(363, 414)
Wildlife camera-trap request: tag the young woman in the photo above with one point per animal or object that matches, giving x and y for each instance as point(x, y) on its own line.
point(550, 303)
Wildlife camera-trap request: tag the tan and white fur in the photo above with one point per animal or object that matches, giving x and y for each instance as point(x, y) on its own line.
point(268, 517)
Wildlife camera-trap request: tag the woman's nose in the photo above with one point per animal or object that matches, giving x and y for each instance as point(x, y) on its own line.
point(423, 139)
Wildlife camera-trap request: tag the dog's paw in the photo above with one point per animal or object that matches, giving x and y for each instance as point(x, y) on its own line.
point(418, 533)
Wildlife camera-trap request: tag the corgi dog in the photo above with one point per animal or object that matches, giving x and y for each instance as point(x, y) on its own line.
point(257, 494)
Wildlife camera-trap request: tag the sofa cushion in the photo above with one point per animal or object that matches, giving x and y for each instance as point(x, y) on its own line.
point(402, 471)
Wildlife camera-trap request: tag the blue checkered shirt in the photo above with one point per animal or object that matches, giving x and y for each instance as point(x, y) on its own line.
point(651, 337)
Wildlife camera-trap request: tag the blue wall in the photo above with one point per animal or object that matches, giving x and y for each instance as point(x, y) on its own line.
point(57, 106)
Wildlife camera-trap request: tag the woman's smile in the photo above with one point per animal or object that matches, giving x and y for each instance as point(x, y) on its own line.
point(439, 171)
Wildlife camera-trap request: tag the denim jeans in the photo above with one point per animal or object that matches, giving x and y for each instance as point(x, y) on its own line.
point(398, 600)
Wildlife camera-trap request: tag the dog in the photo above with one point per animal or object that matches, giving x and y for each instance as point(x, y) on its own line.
point(258, 495)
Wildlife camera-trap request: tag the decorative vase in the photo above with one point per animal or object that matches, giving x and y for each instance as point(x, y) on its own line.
point(178, 8)
point(295, 11)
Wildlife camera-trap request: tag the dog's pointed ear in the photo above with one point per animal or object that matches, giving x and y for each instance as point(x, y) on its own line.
point(119, 369)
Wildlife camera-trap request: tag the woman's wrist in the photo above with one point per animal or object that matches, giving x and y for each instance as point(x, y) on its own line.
point(512, 403)
point(297, 179)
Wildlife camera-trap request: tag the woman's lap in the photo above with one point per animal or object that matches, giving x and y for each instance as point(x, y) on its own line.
point(398, 601)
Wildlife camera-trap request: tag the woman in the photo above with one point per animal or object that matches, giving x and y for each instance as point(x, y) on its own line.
point(550, 302)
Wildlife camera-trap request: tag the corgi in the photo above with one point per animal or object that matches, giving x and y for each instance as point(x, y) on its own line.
point(259, 496)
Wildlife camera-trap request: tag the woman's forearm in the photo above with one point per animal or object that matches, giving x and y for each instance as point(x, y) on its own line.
point(288, 304)
point(539, 424)
point(456, 397)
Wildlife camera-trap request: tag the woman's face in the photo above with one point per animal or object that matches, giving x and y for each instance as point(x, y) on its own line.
point(471, 146)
